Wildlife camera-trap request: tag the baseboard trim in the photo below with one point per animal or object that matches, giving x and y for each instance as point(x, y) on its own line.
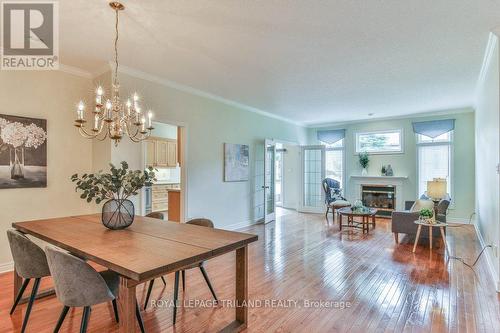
point(7, 267)
point(244, 224)
point(489, 259)
point(457, 220)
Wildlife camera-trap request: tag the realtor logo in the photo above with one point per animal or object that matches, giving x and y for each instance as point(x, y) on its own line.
point(30, 35)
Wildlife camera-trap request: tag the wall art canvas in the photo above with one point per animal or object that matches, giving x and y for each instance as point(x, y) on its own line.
point(236, 161)
point(23, 152)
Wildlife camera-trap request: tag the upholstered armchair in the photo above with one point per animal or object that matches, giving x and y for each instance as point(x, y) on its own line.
point(404, 222)
point(333, 196)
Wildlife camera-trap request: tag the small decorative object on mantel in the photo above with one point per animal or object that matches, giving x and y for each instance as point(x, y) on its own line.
point(23, 152)
point(383, 170)
point(427, 216)
point(388, 171)
point(116, 186)
point(364, 160)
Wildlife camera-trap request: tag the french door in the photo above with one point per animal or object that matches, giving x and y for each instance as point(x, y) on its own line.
point(312, 174)
point(269, 179)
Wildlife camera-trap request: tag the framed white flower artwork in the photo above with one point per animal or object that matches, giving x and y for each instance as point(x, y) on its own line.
point(23, 152)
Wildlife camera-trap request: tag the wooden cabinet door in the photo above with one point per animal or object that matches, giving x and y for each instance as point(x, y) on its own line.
point(150, 153)
point(162, 153)
point(172, 154)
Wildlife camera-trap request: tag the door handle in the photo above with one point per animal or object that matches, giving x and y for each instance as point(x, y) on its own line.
point(265, 186)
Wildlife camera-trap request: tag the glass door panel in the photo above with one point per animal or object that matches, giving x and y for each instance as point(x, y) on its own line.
point(313, 172)
point(269, 181)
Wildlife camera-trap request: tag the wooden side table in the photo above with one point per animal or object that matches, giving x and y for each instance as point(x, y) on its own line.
point(439, 225)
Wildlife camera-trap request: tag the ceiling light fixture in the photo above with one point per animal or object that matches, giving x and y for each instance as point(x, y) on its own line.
point(112, 118)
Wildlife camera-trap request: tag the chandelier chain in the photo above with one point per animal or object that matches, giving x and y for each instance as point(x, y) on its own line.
point(116, 47)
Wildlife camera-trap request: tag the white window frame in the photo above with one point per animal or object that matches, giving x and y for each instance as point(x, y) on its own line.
point(400, 131)
point(342, 148)
point(450, 166)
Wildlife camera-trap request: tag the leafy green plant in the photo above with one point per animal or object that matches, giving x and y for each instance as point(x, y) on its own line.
point(426, 213)
point(364, 159)
point(119, 183)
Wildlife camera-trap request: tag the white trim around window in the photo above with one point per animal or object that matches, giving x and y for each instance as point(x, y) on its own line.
point(435, 143)
point(399, 149)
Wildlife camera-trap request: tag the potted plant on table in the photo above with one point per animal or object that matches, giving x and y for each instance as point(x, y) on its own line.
point(427, 216)
point(116, 186)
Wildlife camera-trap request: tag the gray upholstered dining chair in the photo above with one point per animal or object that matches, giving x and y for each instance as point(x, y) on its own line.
point(156, 215)
point(30, 263)
point(199, 222)
point(77, 284)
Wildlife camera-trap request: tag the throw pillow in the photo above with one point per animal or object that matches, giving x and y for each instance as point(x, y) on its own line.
point(421, 204)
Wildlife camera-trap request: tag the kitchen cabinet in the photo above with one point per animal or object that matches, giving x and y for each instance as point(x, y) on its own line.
point(161, 152)
point(159, 196)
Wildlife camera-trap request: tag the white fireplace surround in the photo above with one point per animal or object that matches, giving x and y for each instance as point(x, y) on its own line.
point(396, 181)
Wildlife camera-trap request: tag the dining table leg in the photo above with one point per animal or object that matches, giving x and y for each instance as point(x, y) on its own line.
point(126, 305)
point(241, 321)
point(18, 281)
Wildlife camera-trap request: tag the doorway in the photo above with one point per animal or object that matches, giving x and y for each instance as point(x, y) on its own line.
point(164, 151)
point(281, 177)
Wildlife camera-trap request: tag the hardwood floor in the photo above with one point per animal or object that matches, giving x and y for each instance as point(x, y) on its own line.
point(378, 286)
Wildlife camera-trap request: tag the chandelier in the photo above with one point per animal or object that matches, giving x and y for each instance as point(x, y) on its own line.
point(110, 117)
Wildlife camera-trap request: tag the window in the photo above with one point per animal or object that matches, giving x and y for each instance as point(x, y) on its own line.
point(434, 160)
point(380, 142)
point(334, 161)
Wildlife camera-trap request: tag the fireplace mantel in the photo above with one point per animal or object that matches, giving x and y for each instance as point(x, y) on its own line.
point(396, 181)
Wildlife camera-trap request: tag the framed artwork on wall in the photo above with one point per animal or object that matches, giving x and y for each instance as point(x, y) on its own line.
point(23, 152)
point(236, 161)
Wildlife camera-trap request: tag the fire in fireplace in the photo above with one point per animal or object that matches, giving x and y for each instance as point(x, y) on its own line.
point(381, 197)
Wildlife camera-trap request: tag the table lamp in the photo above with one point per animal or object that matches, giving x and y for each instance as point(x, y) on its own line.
point(436, 189)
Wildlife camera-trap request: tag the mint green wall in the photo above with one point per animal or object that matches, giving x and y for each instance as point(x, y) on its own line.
point(209, 125)
point(405, 164)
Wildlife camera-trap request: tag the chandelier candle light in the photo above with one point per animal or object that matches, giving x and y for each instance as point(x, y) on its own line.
point(113, 118)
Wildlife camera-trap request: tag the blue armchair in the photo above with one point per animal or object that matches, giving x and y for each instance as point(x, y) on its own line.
point(333, 196)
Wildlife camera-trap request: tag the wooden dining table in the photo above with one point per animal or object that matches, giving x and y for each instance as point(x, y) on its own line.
point(149, 248)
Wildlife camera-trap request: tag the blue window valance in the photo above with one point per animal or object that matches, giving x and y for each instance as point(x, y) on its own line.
point(331, 136)
point(434, 128)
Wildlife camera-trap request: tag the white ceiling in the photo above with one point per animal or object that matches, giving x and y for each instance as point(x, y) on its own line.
point(308, 61)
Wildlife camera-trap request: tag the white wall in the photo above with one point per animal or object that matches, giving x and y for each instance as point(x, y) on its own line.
point(291, 176)
point(53, 96)
point(487, 157)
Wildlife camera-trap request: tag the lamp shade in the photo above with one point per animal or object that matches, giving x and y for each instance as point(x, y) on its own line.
point(436, 188)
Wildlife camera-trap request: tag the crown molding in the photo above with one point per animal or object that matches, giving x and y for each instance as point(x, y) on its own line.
point(447, 112)
point(75, 71)
point(101, 70)
point(488, 55)
point(181, 87)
